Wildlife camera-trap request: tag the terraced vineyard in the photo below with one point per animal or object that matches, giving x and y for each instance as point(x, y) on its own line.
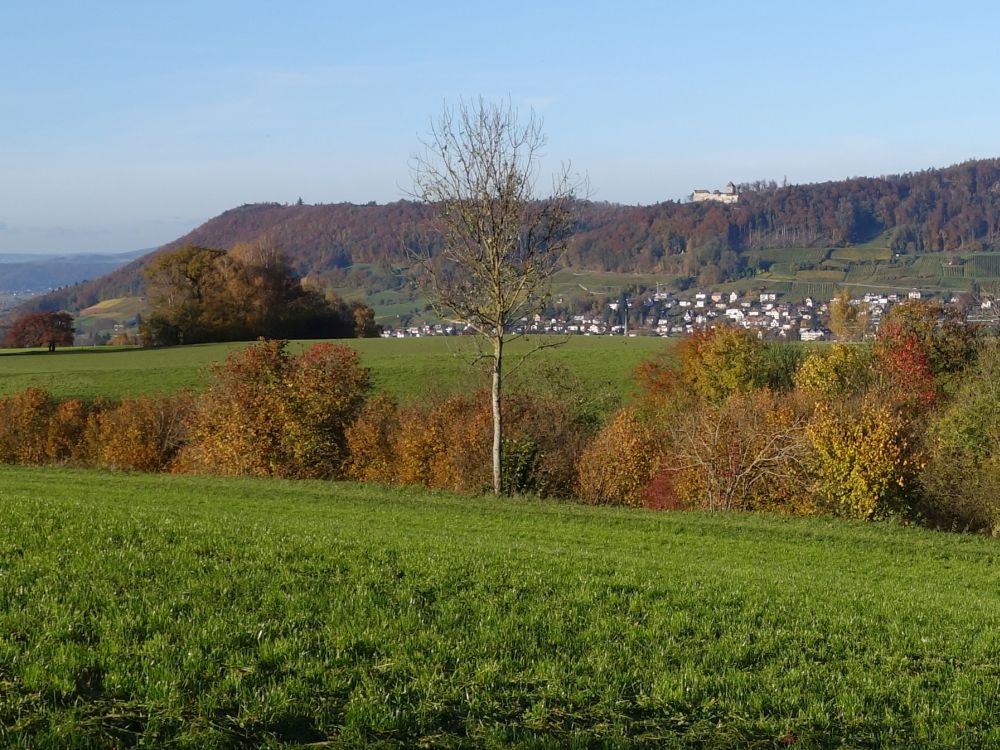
point(800, 272)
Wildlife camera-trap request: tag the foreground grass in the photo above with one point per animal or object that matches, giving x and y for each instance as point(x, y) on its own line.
point(405, 367)
point(220, 613)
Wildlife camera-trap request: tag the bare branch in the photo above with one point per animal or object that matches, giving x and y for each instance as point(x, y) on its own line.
point(500, 242)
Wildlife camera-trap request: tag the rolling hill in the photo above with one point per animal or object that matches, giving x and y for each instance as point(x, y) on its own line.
point(919, 229)
point(22, 272)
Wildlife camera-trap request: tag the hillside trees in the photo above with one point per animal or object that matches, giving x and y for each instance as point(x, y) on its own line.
point(500, 244)
point(200, 294)
point(48, 329)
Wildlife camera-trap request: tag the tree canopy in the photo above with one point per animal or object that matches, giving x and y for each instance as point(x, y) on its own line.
point(49, 329)
point(199, 294)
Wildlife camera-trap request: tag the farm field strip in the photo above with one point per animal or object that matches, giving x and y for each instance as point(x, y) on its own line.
point(405, 368)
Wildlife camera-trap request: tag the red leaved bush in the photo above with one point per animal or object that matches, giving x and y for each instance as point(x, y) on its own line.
point(904, 363)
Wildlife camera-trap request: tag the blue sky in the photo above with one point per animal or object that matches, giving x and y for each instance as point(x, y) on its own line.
point(125, 124)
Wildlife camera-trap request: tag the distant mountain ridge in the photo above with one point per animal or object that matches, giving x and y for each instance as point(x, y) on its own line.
point(951, 210)
point(27, 272)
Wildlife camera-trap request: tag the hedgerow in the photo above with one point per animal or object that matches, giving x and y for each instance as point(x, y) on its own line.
point(727, 424)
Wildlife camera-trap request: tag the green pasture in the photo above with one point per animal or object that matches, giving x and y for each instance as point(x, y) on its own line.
point(861, 254)
point(407, 368)
point(177, 611)
point(820, 276)
point(801, 255)
point(573, 284)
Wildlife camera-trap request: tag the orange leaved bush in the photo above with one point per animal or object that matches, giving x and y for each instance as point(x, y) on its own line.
point(269, 413)
point(617, 464)
point(369, 439)
point(24, 426)
point(66, 440)
point(744, 454)
point(445, 444)
point(142, 433)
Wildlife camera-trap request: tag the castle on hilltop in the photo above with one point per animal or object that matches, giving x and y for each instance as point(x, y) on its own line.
point(729, 195)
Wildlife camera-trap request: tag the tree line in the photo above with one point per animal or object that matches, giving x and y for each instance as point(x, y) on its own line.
point(201, 294)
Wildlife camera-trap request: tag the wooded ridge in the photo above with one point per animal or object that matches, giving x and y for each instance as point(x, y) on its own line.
point(949, 210)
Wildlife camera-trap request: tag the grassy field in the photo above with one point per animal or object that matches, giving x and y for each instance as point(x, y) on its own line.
point(405, 367)
point(195, 612)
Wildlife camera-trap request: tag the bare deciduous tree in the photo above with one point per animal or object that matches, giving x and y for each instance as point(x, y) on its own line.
point(500, 242)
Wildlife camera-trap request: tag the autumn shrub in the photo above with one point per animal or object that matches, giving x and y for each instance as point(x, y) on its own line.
point(369, 441)
point(67, 435)
point(237, 425)
point(863, 457)
point(142, 433)
point(717, 362)
point(268, 413)
point(415, 446)
point(959, 491)
point(948, 343)
point(546, 429)
point(841, 371)
point(711, 365)
point(616, 466)
point(959, 481)
point(326, 388)
point(778, 364)
point(747, 453)
point(24, 426)
point(446, 443)
point(903, 366)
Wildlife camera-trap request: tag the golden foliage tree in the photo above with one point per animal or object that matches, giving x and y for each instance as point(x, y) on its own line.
point(848, 320)
point(841, 371)
point(863, 459)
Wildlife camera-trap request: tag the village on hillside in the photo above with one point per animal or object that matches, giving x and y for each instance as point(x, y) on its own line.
point(665, 313)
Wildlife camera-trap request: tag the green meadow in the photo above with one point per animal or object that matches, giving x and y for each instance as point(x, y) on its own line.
point(177, 611)
point(407, 368)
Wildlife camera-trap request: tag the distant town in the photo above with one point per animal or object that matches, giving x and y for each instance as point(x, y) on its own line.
point(665, 313)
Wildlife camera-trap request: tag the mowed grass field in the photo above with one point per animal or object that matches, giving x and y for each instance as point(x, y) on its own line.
point(407, 368)
point(177, 611)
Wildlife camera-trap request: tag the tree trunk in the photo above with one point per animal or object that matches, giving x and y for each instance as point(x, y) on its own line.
point(497, 419)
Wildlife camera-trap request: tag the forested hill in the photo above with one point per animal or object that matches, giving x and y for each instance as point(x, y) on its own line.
point(937, 210)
